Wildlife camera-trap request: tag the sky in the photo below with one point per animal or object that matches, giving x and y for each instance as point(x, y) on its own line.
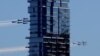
point(12, 36)
point(84, 21)
point(85, 25)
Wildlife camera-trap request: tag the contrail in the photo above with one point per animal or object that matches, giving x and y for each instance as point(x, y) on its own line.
point(13, 49)
point(17, 49)
point(72, 45)
point(6, 23)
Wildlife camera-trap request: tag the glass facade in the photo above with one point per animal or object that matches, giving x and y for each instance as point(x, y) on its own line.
point(49, 28)
point(61, 13)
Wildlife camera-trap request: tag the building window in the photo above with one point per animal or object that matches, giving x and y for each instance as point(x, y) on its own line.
point(32, 10)
point(51, 0)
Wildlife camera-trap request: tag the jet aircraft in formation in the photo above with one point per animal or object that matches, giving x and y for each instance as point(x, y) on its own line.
point(21, 21)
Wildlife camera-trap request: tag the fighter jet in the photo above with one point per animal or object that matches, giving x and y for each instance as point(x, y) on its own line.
point(84, 43)
point(17, 21)
point(23, 21)
point(13, 21)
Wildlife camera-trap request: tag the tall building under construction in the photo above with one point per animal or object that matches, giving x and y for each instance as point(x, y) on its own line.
point(49, 28)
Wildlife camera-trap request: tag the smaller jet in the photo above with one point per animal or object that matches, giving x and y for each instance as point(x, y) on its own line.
point(84, 43)
point(17, 21)
point(13, 21)
point(23, 21)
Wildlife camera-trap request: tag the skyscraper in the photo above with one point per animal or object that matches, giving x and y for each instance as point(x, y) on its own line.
point(49, 28)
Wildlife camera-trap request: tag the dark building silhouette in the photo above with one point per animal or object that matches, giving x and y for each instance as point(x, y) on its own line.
point(49, 28)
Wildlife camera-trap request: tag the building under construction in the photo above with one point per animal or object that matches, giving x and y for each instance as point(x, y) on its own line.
point(49, 28)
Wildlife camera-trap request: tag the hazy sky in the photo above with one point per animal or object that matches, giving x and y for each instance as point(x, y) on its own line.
point(85, 17)
point(85, 25)
point(12, 36)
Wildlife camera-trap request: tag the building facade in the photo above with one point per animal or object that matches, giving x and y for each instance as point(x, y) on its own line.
point(49, 28)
